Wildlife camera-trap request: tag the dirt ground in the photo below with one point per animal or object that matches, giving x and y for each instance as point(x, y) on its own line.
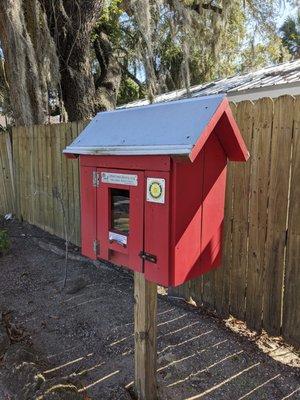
point(83, 335)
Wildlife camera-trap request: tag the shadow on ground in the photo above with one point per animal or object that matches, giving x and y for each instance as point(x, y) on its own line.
point(84, 333)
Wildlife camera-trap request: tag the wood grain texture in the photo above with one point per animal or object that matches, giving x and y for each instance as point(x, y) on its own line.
point(31, 175)
point(48, 178)
point(76, 181)
point(3, 192)
point(10, 180)
point(257, 275)
point(70, 182)
point(259, 176)
point(145, 326)
point(56, 176)
point(222, 274)
point(277, 213)
point(21, 150)
point(241, 180)
point(291, 300)
point(64, 194)
point(58, 186)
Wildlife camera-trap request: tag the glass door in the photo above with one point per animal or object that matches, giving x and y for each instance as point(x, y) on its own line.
point(120, 216)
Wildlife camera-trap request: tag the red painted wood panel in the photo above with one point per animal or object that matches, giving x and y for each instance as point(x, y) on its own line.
point(159, 163)
point(198, 212)
point(186, 217)
point(88, 212)
point(157, 233)
point(215, 166)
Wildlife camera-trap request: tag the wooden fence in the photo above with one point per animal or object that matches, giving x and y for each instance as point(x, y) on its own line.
point(7, 195)
point(259, 281)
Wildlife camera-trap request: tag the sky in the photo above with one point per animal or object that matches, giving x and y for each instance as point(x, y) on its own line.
point(287, 11)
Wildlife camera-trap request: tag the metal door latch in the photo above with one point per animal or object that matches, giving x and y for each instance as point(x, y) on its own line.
point(96, 246)
point(148, 257)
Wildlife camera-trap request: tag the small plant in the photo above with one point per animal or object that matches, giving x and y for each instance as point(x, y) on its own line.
point(4, 242)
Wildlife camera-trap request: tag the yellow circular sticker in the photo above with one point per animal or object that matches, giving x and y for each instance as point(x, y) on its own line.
point(155, 190)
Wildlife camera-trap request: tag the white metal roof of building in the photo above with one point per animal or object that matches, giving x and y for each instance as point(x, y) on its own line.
point(167, 128)
point(271, 82)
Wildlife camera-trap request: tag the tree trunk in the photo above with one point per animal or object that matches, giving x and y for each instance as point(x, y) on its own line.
point(70, 24)
point(108, 83)
point(25, 85)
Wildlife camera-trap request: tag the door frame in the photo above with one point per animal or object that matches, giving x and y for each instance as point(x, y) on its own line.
point(114, 252)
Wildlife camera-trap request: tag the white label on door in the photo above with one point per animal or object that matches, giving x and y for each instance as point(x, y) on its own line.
point(120, 179)
point(156, 190)
point(117, 237)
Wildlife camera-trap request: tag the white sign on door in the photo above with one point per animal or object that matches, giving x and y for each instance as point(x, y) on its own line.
point(120, 179)
point(156, 190)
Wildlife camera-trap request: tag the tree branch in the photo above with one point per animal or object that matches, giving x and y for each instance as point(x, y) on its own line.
point(207, 6)
point(130, 75)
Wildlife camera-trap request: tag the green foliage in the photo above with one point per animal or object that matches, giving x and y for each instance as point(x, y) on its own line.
point(290, 31)
point(255, 56)
point(4, 242)
point(109, 22)
point(167, 45)
point(129, 91)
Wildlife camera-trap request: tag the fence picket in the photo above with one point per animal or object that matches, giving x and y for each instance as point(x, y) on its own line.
point(3, 194)
point(260, 264)
point(222, 274)
point(277, 213)
point(259, 177)
point(291, 303)
point(241, 178)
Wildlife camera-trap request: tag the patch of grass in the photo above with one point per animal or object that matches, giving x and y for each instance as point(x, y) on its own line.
point(4, 242)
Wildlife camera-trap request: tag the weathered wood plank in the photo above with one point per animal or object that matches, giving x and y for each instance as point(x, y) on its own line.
point(36, 173)
point(244, 115)
point(76, 181)
point(39, 175)
point(145, 326)
point(196, 290)
point(26, 181)
point(70, 179)
point(43, 177)
point(31, 155)
point(222, 274)
point(64, 178)
point(3, 194)
point(48, 184)
point(11, 168)
point(222, 277)
point(208, 290)
point(21, 145)
point(277, 213)
point(7, 197)
point(291, 301)
point(259, 177)
point(56, 173)
point(16, 134)
point(58, 183)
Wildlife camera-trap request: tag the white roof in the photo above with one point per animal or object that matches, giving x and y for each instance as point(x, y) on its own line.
point(271, 82)
point(165, 128)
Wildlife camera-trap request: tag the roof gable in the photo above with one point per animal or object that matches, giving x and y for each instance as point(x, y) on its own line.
point(179, 127)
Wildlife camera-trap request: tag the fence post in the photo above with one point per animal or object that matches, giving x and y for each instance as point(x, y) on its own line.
point(145, 325)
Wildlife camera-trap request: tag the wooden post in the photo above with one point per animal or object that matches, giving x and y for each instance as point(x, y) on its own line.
point(145, 324)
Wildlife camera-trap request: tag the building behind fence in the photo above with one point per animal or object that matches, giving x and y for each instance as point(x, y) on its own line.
point(259, 280)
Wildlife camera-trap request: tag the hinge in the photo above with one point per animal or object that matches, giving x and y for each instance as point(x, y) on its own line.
point(96, 246)
point(96, 179)
point(148, 257)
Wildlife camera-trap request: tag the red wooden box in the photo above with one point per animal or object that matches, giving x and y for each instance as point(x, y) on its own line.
point(153, 186)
